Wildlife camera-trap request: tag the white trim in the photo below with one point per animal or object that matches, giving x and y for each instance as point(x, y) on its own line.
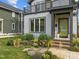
point(39, 24)
point(13, 28)
point(2, 25)
point(34, 25)
point(1, 19)
point(18, 24)
point(22, 23)
point(34, 20)
point(13, 14)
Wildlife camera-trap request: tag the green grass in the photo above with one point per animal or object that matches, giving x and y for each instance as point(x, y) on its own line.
point(10, 52)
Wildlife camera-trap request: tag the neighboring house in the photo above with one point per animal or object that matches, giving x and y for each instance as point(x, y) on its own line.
point(58, 18)
point(10, 19)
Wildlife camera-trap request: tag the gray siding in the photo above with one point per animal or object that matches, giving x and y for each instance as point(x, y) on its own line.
point(27, 27)
point(8, 20)
point(60, 3)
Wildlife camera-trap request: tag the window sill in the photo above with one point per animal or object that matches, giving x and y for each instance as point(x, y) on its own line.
point(37, 32)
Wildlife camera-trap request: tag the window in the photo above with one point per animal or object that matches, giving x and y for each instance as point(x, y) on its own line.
point(38, 25)
point(13, 14)
point(13, 26)
point(38, 7)
point(32, 25)
point(42, 23)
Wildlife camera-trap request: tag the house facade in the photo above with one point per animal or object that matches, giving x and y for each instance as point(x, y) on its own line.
point(57, 18)
point(10, 19)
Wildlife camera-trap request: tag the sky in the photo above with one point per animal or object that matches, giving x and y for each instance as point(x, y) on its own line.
point(16, 3)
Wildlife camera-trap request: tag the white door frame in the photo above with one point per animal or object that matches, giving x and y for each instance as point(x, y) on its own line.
point(2, 25)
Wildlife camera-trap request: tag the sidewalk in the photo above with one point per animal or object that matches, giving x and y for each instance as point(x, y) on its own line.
point(64, 53)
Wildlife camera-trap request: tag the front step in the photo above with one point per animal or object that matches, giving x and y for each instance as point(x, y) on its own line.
point(61, 43)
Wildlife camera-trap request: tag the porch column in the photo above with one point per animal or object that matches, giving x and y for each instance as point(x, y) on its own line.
point(71, 26)
point(52, 25)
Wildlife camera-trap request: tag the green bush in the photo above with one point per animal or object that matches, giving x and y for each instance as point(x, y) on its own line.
point(23, 37)
point(63, 35)
point(75, 42)
point(10, 42)
point(75, 45)
point(27, 37)
point(43, 37)
point(49, 43)
point(47, 55)
point(74, 49)
point(44, 40)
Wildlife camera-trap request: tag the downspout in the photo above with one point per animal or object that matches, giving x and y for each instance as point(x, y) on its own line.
point(77, 18)
point(22, 26)
point(18, 23)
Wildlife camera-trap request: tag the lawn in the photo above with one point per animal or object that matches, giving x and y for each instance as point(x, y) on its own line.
point(10, 52)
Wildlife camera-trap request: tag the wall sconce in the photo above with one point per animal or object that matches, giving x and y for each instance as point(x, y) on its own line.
point(76, 0)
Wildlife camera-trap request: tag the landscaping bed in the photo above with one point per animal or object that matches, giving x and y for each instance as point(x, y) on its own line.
point(12, 47)
point(10, 52)
point(75, 45)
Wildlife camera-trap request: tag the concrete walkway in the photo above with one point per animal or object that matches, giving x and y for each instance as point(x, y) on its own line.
point(60, 52)
point(64, 53)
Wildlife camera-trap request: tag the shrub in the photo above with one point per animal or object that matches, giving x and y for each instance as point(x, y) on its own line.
point(74, 49)
point(10, 42)
point(23, 37)
point(35, 42)
point(43, 37)
point(63, 35)
point(15, 41)
point(75, 42)
point(44, 40)
point(47, 55)
point(48, 43)
point(27, 37)
point(75, 45)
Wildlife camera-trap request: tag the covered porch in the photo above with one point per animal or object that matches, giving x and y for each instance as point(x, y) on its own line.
point(62, 24)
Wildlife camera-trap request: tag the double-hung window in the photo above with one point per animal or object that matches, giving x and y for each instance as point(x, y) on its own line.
point(38, 25)
point(13, 14)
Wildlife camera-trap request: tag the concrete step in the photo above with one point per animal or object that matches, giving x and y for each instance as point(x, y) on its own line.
point(61, 43)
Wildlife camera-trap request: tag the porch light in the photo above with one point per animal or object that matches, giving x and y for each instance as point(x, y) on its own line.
point(76, 0)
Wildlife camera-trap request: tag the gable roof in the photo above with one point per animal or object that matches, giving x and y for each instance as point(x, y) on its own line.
point(9, 7)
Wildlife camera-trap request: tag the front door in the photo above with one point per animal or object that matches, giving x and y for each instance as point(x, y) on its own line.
point(63, 27)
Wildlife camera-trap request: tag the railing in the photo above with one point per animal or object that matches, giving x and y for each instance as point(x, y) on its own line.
point(47, 6)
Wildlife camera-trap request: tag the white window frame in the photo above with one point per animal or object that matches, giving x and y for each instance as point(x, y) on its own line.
point(2, 25)
point(13, 26)
point(13, 14)
point(34, 25)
